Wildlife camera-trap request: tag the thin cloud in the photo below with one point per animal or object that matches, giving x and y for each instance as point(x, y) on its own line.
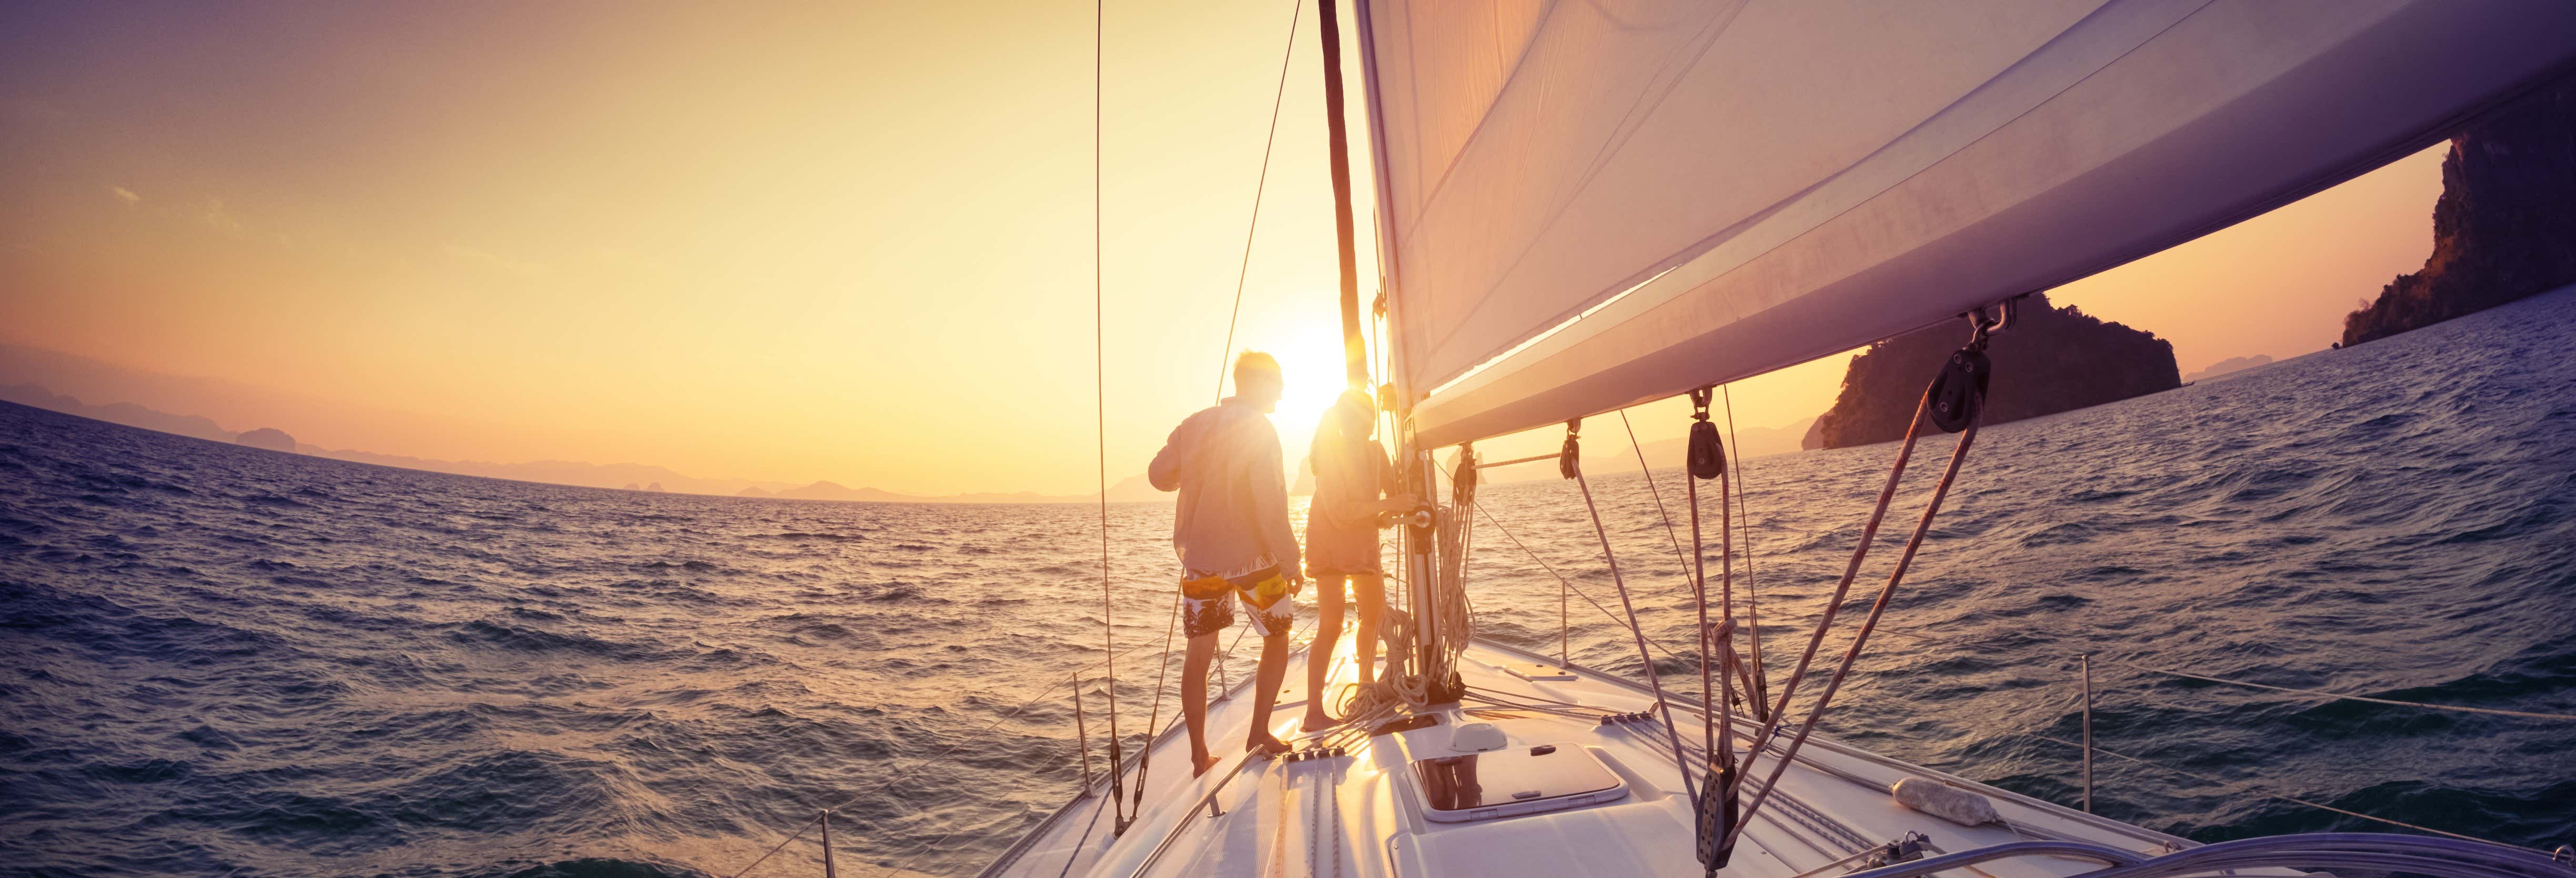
point(125, 195)
point(494, 261)
point(213, 214)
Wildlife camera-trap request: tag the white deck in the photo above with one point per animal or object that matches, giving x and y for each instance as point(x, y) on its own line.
point(1354, 815)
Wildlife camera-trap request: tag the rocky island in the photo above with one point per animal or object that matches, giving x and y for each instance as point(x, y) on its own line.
point(2052, 360)
point(270, 438)
point(2505, 225)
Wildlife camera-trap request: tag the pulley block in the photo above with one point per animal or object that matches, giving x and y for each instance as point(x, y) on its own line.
point(1960, 390)
point(1569, 459)
point(1707, 454)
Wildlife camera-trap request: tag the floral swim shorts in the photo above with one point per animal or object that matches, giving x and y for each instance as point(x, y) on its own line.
point(1207, 601)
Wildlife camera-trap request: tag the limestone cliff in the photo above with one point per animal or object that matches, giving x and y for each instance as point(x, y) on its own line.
point(2505, 226)
point(2051, 360)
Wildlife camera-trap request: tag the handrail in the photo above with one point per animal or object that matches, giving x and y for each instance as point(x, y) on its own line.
point(2334, 850)
point(1685, 700)
point(2008, 850)
point(2324, 694)
point(2290, 799)
point(2352, 850)
point(2317, 693)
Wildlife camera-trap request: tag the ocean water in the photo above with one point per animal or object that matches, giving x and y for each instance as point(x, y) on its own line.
point(219, 660)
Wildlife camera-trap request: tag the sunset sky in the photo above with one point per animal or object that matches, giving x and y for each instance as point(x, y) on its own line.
point(831, 241)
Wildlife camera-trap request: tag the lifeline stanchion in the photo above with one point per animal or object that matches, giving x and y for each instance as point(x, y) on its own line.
point(2085, 663)
point(1082, 730)
point(828, 870)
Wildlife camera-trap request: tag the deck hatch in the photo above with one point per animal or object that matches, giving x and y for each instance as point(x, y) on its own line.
point(1513, 782)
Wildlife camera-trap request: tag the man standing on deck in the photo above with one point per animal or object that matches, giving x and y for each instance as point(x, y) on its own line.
point(1231, 530)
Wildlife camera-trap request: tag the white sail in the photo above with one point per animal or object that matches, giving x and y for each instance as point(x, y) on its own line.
point(1733, 187)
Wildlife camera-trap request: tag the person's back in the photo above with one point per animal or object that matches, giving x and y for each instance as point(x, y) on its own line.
point(1232, 534)
point(1218, 459)
point(1351, 472)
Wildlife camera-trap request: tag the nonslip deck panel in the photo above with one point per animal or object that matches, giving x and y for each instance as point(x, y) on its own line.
point(1363, 813)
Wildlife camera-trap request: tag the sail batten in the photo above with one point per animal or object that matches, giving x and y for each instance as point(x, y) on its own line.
point(1733, 188)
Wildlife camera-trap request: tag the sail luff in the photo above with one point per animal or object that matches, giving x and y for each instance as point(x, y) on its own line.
point(1389, 271)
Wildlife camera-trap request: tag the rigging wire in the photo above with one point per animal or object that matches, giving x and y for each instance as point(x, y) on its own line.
point(1563, 582)
point(1697, 582)
point(1689, 786)
point(1718, 743)
point(1100, 410)
point(2291, 799)
point(2323, 694)
point(1878, 608)
point(2039, 655)
point(1658, 494)
point(1296, 9)
point(1743, 524)
point(1145, 760)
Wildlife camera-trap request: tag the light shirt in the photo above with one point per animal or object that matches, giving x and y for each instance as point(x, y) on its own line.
point(1233, 513)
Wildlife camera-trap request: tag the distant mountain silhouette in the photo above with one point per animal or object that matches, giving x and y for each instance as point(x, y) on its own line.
point(624, 476)
point(270, 438)
point(2231, 364)
point(216, 400)
point(32, 377)
point(1124, 492)
point(125, 413)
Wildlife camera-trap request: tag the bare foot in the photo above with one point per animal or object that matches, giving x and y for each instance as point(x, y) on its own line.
point(1317, 721)
point(1201, 764)
point(1265, 744)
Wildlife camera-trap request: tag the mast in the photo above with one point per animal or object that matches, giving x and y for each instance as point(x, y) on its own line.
point(1355, 362)
point(1412, 460)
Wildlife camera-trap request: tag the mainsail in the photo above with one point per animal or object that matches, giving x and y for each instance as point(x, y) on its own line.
point(1585, 205)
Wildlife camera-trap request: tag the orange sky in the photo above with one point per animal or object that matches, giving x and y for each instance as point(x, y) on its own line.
point(828, 242)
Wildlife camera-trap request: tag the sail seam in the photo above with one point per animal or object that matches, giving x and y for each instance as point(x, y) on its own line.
point(1704, 245)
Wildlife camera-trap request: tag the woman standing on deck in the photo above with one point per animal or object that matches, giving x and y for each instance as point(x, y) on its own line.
point(1351, 472)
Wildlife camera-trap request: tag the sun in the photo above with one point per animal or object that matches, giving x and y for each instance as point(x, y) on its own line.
point(1310, 359)
point(1313, 383)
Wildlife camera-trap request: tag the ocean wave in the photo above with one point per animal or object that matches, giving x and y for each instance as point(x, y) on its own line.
point(451, 676)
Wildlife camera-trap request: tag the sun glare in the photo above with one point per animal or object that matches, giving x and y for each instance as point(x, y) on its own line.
point(1310, 358)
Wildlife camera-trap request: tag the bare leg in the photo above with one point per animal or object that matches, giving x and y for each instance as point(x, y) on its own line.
point(1273, 671)
point(1319, 655)
point(1194, 674)
point(1369, 591)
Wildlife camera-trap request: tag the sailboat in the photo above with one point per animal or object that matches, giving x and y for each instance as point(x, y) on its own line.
point(1582, 206)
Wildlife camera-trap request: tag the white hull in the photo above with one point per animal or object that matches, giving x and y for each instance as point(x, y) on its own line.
point(1362, 814)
